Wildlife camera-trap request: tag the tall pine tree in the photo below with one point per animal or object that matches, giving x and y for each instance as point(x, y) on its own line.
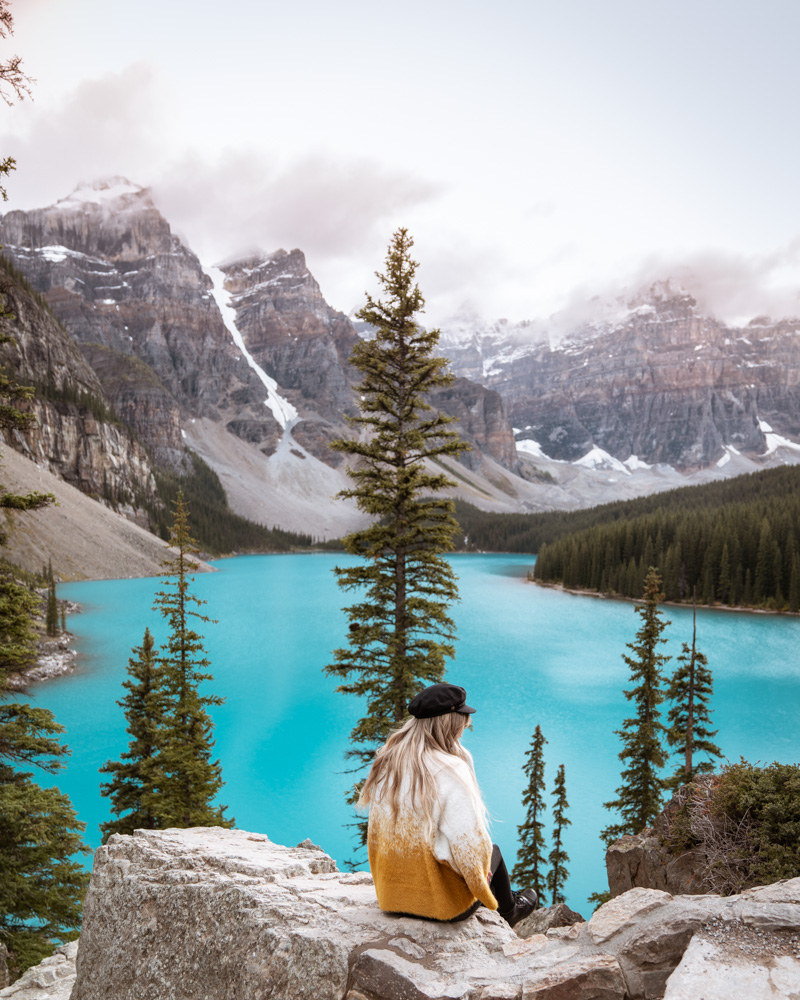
point(399, 629)
point(638, 799)
point(51, 615)
point(136, 787)
point(530, 867)
point(690, 692)
point(190, 779)
point(558, 874)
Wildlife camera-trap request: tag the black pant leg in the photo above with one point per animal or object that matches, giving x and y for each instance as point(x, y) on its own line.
point(500, 883)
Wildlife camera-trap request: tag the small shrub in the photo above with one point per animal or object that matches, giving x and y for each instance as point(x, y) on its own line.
point(744, 825)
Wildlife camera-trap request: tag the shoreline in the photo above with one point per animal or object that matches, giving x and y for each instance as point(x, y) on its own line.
point(578, 592)
point(55, 656)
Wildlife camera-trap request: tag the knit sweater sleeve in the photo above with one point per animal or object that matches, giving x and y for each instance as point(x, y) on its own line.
point(462, 839)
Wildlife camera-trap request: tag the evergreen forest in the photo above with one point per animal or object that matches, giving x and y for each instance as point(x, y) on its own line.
point(735, 542)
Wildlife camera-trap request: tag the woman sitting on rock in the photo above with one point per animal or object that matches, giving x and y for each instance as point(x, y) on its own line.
point(429, 850)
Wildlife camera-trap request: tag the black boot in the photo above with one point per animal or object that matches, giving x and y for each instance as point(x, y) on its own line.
point(525, 901)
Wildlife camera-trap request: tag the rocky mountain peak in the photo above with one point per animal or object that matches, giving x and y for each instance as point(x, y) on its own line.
point(112, 219)
point(281, 277)
point(105, 192)
point(666, 290)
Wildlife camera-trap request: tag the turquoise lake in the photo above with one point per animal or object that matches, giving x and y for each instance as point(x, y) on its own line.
point(526, 655)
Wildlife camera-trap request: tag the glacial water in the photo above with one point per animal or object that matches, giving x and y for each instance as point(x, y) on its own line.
point(525, 654)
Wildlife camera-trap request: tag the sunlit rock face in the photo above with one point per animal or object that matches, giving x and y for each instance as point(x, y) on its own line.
point(661, 381)
point(114, 274)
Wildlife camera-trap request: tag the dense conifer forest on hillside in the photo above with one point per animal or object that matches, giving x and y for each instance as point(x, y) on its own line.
point(216, 527)
point(736, 542)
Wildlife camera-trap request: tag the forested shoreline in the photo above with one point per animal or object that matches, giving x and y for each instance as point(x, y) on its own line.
point(732, 543)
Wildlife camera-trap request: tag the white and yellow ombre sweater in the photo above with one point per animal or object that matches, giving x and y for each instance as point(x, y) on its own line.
point(440, 874)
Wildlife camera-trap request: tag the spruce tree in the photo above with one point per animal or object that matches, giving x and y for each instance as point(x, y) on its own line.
point(558, 858)
point(399, 629)
point(136, 788)
point(639, 796)
point(690, 691)
point(51, 617)
point(530, 867)
point(190, 779)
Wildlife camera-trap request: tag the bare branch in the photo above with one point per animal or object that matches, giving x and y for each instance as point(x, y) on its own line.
point(15, 84)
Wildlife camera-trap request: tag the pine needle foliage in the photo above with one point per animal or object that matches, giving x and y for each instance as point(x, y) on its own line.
point(558, 873)
point(638, 799)
point(19, 607)
point(530, 867)
point(399, 630)
point(690, 691)
point(190, 779)
point(41, 885)
point(136, 785)
point(51, 615)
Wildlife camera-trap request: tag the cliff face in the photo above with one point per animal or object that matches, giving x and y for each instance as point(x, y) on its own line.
point(115, 275)
point(664, 383)
point(292, 332)
point(481, 420)
point(74, 436)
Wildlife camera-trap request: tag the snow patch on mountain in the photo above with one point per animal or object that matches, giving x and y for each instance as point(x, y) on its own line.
point(776, 441)
point(100, 192)
point(634, 463)
point(530, 447)
point(281, 408)
point(599, 459)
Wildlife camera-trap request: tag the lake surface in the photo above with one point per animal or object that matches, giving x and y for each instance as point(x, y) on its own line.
point(525, 654)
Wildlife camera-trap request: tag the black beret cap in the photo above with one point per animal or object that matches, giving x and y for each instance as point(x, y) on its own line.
point(439, 699)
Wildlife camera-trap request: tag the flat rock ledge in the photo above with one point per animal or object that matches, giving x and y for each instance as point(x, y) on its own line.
point(212, 914)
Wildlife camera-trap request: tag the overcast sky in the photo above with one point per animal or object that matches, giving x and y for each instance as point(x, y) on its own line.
point(539, 152)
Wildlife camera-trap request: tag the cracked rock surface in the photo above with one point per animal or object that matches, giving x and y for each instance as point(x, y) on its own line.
point(223, 914)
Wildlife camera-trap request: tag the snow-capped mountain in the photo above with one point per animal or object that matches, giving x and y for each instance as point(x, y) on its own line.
point(245, 362)
point(656, 381)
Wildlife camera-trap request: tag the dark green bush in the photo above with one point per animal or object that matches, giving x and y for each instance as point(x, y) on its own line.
point(766, 802)
point(742, 824)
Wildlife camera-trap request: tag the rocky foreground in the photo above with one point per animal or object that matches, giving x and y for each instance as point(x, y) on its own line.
point(207, 914)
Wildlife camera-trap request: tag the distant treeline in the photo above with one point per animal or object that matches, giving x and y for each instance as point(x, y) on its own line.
point(216, 527)
point(735, 542)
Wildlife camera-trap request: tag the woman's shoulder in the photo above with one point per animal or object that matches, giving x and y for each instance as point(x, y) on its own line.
point(448, 767)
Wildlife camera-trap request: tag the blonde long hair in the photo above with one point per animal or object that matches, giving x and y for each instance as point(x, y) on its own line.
point(407, 754)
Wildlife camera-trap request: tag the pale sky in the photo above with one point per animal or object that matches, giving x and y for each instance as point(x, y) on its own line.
point(539, 152)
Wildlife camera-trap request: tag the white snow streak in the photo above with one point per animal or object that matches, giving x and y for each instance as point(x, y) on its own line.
point(775, 441)
point(282, 409)
point(599, 459)
point(530, 447)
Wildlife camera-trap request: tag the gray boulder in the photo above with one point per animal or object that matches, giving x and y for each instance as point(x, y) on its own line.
point(52, 979)
point(212, 914)
point(542, 920)
point(225, 914)
point(729, 961)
